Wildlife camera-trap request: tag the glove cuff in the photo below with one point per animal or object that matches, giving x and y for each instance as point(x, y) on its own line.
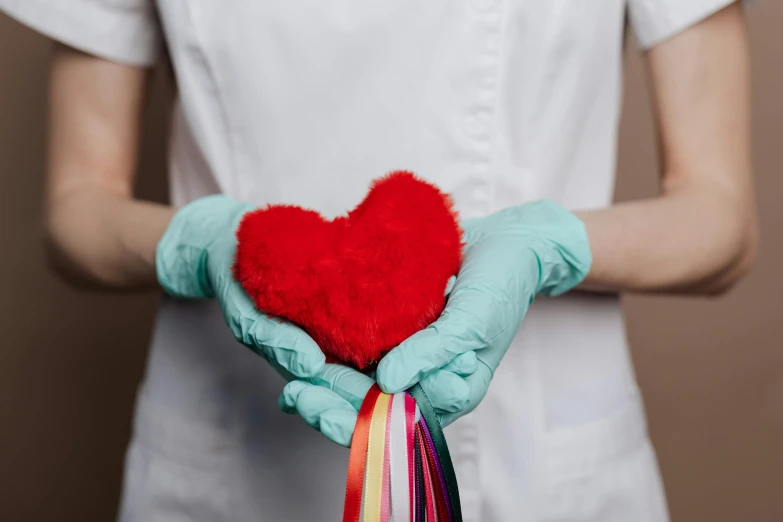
point(183, 251)
point(564, 248)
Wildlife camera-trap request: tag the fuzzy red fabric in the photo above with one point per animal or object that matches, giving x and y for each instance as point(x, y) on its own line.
point(361, 283)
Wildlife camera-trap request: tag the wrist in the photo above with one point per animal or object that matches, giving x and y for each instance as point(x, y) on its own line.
point(182, 254)
point(560, 244)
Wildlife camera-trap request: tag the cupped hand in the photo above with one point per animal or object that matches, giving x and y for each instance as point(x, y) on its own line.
point(194, 259)
point(330, 401)
point(509, 258)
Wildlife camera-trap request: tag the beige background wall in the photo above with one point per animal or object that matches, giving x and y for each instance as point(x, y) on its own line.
point(711, 371)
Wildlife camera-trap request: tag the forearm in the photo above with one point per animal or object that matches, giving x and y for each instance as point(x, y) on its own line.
point(695, 239)
point(95, 238)
point(699, 236)
point(96, 233)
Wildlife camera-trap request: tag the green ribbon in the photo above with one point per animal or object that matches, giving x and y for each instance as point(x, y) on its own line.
point(439, 440)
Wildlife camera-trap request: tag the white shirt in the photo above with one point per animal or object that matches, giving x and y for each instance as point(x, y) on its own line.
point(499, 102)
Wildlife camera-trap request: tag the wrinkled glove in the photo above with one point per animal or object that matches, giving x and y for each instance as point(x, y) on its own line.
point(330, 401)
point(509, 258)
point(194, 259)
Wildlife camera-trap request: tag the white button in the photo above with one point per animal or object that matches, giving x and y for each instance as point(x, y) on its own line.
point(472, 127)
point(483, 5)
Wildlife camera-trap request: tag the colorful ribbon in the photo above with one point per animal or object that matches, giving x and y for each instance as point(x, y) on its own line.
point(429, 494)
point(403, 468)
point(442, 449)
point(376, 450)
point(410, 432)
point(401, 423)
point(358, 457)
point(420, 497)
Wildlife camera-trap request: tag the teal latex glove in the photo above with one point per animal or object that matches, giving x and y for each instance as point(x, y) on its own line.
point(509, 258)
point(194, 259)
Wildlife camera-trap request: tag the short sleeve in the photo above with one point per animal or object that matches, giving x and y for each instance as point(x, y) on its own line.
point(125, 31)
point(654, 21)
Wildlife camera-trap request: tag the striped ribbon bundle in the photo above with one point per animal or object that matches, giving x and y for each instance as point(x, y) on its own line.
point(403, 467)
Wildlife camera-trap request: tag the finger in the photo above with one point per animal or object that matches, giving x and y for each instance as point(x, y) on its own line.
point(274, 338)
point(297, 393)
point(288, 345)
point(454, 333)
point(350, 384)
point(321, 409)
point(338, 426)
point(314, 399)
point(477, 384)
point(474, 315)
point(447, 391)
point(287, 400)
point(463, 365)
point(420, 354)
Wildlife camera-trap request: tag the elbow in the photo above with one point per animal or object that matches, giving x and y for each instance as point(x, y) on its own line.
point(53, 253)
point(63, 263)
point(60, 263)
point(742, 257)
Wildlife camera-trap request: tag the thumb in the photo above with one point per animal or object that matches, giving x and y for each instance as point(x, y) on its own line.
point(352, 385)
point(427, 350)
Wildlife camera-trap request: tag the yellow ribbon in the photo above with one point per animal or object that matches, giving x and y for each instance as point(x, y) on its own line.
point(376, 447)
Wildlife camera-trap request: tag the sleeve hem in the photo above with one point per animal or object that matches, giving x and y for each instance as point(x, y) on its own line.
point(128, 36)
point(652, 28)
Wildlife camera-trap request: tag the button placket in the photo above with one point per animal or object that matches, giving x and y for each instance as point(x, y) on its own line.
point(478, 129)
point(466, 452)
point(483, 5)
point(478, 125)
point(472, 127)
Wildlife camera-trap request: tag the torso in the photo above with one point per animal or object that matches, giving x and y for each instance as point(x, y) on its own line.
point(499, 102)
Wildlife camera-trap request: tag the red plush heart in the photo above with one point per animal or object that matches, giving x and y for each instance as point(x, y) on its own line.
point(359, 284)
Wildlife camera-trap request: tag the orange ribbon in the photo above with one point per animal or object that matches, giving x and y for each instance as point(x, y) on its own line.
point(358, 457)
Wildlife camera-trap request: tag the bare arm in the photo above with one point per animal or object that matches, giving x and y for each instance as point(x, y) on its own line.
point(97, 234)
point(699, 235)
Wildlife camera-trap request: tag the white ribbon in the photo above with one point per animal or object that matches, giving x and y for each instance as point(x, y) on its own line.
point(398, 463)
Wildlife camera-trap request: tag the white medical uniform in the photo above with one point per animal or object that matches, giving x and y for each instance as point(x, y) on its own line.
point(497, 101)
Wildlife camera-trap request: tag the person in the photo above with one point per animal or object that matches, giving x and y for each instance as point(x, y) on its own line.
point(512, 108)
